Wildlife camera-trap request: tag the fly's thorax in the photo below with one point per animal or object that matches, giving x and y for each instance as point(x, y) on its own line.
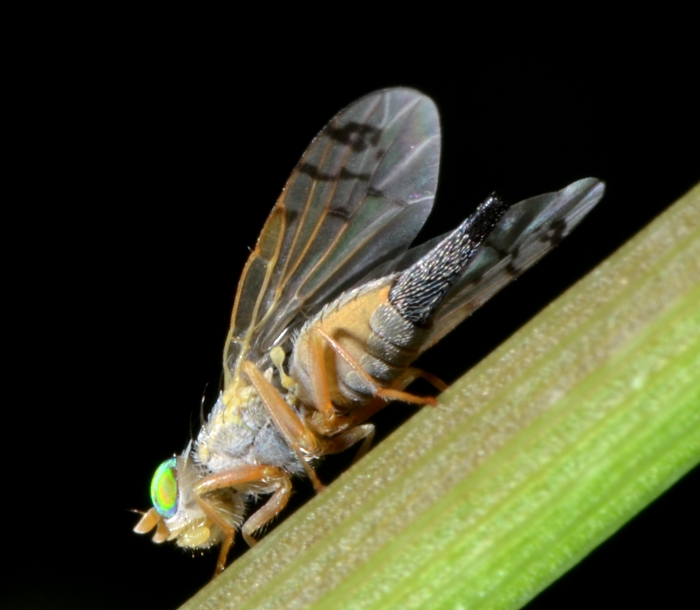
point(224, 414)
point(373, 337)
point(232, 423)
point(233, 400)
point(242, 435)
point(225, 418)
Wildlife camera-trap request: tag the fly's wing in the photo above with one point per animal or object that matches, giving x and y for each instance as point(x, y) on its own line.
point(524, 234)
point(357, 198)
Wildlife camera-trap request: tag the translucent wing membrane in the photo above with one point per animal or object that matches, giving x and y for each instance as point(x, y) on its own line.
point(357, 198)
point(525, 233)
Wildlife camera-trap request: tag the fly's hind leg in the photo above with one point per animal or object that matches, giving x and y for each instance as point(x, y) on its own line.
point(318, 375)
point(355, 430)
point(412, 373)
point(244, 478)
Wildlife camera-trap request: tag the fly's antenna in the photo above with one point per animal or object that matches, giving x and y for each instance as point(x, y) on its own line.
point(202, 421)
point(221, 381)
point(201, 408)
point(201, 405)
point(419, 290)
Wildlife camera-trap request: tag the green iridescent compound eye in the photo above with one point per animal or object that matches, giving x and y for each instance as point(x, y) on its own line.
point(164, 488)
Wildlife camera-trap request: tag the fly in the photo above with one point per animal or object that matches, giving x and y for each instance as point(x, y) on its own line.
point(333, 308)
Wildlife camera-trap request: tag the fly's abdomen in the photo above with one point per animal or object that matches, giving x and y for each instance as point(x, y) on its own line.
point(369, 334)
point(380, 328)
point(420, 289)
point(393, 344)
point(400, 325)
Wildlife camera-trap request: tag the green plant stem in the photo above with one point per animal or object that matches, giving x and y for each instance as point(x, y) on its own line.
point(532, 459)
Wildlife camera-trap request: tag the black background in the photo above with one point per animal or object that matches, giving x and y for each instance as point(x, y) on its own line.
point(148, 162)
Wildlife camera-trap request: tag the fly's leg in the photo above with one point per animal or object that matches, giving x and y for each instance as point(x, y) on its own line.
point(322, 399)
point(346, 439)
point(411, 374)
point(367, 410)
point(318, 378)
point(329, 420)
point(299, 438)
point(243, 477)
point(268, 511)
point(355, 429)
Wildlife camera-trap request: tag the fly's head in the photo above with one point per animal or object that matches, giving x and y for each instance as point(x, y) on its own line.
point(177, 516)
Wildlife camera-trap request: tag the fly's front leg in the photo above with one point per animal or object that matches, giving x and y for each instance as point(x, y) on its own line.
point(243, 478)
point(299, 438)
point(268, 511)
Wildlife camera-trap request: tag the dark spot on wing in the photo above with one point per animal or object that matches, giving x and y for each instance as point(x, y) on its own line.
point(512, 270)
point(555, 232)
point(380, 153)
point(510, 267)
point(292, 215)
point(345, 174)
point(359, 136)
point(375, 192)
point(340, 212)
point(309, 169)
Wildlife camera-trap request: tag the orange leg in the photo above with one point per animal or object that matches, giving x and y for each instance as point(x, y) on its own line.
point(348, 438)
point(318, 377)
point(242, 478)
point(412, 373)
point(329, 422)
point(268, 511)
point(299, 438)
point(367, 410)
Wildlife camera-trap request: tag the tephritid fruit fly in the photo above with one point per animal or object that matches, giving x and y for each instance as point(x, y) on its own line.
point(333, 308)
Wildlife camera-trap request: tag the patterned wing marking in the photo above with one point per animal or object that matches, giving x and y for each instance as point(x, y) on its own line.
point(525, 233)
point(358, 197)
